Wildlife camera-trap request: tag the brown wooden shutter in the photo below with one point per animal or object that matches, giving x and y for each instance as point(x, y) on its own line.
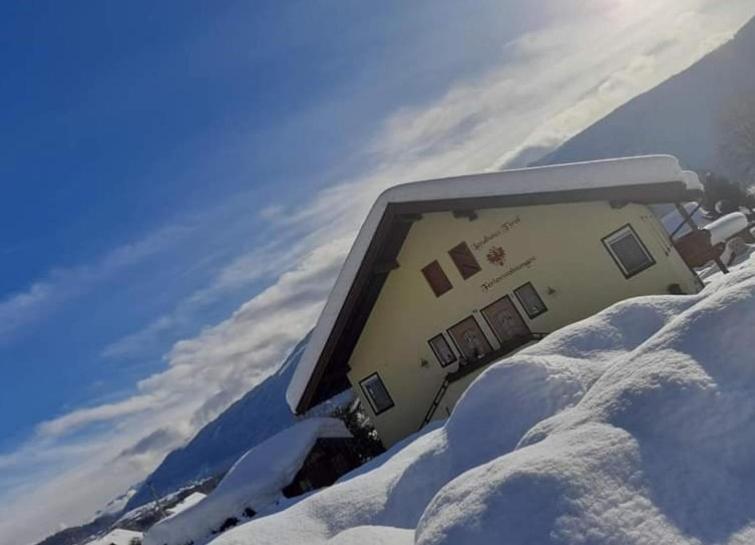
point(464, 260)
point(437, 279)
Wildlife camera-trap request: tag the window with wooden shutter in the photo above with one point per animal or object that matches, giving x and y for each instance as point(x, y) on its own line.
point(464, 260)
point(437, 278)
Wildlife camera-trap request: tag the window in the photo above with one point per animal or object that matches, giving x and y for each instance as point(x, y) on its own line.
point(470, 340)
point(442, 350)
point(628, 251)
point(530, 300)
point(464, 260)
point(506, 322)
point(437, 279)
point(376, 393)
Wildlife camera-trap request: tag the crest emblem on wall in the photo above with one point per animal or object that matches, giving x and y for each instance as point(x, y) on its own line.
point(497, 256)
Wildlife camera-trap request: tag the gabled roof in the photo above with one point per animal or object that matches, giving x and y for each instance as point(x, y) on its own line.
point(322, 369)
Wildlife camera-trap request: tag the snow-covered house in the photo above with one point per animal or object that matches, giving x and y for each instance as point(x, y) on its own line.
point(447, 276)
point(308, 455)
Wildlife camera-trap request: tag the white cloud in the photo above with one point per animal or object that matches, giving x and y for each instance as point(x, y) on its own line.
point(552, 84)
point(43, 297)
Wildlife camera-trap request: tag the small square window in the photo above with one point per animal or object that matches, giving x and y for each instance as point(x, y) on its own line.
point(530, 300)
point(442, 350)
point(376, 393)
point(628, 251)
point(464, 260)
point(437, 278)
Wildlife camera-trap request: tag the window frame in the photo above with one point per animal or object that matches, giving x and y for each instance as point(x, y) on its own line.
point(444, 289)
point(463, 246)
point(368, 397)
point(607, 241)
point(484, 337)
point(537, 294)
point(448, 345)
point(484, 315)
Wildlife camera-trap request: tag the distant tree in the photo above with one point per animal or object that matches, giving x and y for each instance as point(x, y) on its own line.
point(723, 195)
point(737, 136)
point(367, 444)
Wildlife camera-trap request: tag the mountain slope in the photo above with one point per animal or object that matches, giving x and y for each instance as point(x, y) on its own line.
point(261, 413)
point(682, 116)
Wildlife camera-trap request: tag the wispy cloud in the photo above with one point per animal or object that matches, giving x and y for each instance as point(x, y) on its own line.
point(45, 296)
point(549, 85)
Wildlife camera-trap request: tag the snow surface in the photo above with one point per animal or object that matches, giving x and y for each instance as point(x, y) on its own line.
point(189, 501)
point(255, 481)
point(635, 426)
point(116, 537)
point(726, 227)
point(627, 171)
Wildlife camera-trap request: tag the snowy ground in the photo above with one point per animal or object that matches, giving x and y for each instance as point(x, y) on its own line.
point(118, 537)
point(636, 426)
point(254, 482)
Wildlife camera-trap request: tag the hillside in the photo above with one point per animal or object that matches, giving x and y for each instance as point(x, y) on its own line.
point(634, 426)
point(261, 413)
point(682, 116)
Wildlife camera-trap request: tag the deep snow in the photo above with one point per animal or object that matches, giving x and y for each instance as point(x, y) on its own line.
point(117, 537)
point(635, 426)
point(255, 481)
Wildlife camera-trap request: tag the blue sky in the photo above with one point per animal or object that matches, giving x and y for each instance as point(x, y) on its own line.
point(181, 181)
point(126, 119)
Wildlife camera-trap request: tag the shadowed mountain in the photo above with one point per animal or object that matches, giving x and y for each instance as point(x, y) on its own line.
point(686, 116)
point(260, 414)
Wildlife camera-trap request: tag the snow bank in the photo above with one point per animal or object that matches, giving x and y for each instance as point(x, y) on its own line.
point(636, 426)
point(117, 537)
point(726, 227)
point(253, 482)
point(190, 501)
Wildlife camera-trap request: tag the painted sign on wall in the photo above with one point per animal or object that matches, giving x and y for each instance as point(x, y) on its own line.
point(502, 229)
point(526, 264)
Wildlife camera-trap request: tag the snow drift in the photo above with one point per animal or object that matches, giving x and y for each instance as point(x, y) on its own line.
point(635, 426)
point(117, 537)
point(254, 482)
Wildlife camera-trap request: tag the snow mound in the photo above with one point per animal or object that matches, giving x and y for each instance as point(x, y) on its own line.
point(117, 537)
point(726, 227)
point(190, 501)
point(635, 426)
point(253, 482)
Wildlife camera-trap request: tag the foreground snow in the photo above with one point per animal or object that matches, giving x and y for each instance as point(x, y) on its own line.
point(636, 426)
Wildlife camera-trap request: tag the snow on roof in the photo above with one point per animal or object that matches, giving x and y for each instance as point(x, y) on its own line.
point(604, 174)
point(189, 501)
point(254, 481)
point(117, 537)
point(726, 227)
point(693, 181)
